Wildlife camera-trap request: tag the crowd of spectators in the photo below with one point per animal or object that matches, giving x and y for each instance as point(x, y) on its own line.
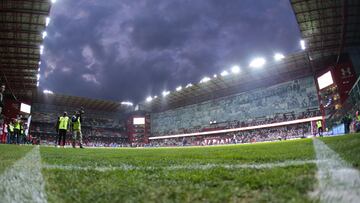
point(257, 135)
point(251, 122)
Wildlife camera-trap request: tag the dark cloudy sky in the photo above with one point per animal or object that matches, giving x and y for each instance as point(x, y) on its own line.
point(130, 49)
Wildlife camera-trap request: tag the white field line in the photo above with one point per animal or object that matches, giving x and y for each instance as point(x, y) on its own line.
point(23, 182)
point(338, 181)
point(183, 167)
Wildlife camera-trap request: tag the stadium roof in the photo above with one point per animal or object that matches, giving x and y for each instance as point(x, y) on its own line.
point(292, 67)
point(22, 23)
point(77, 102)
point(328, 27)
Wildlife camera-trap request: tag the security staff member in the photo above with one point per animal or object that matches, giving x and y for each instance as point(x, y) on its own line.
point(63, 126)
point(17, 128)
point(76, 128)
point(11, 132)
point(319, 127)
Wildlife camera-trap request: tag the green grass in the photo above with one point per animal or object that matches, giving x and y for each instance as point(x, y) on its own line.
point(348, 147)
point(235, 154)
point(157, 184)
point(10, 153)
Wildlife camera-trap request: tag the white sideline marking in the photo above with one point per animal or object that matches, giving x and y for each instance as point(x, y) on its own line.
point(338, 181)
point(23, 182)
point(186, 167)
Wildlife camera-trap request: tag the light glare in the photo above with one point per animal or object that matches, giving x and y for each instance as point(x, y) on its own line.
point(235, 69)
point(179, 88)
point(279, 57)
point(224, 73)
point(44, 34)
point(48, 92)
point(302, 44)
point(188, 85)
point(149, 99)
point(47, 21)
point(257, 63)
point(127, 103)
point(205, 79)
point(165, 93)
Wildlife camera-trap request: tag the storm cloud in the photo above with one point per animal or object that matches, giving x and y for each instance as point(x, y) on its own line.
point(130, 49)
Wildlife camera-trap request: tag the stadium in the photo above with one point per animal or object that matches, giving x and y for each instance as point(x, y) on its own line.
point(284, 129)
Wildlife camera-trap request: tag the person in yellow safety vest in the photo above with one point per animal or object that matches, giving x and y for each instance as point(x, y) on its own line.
point(63, 126)
point(11, 132)
point(17, 128)
point(76, 129)
point(319, 127)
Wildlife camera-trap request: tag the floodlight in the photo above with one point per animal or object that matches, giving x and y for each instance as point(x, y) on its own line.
point(235, 69)
point(165, 93)
point(37, 84)
point(224, 73)
point(53, 1)
point(149, 99)
point(257, 63)
point(39, 62)
point(38, 69)
point(38, 76)
point(205, 79)
point(215, 76)
point(179, 88)
point(47, 21)
point(127, 103)
point(44, 34)
point(302, 44)
point(155, 96)
point(41, 49)
point(48, 92)
point(188, 85)
point(279, 57)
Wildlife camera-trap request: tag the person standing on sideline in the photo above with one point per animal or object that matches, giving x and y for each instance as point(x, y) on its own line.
point(319, 127)
point(76, 129)
point(2, 90)
point(17, 128)
point(63, 126)
point(11, 132)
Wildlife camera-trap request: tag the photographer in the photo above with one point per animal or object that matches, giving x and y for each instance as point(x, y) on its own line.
point(76, 121)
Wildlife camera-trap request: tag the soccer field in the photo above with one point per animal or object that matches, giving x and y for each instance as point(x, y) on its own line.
point(287, 171)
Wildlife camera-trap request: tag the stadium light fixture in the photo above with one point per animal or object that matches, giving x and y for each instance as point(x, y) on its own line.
point(44, 34)
point(302, 44)
point(178, 88)
point(127, 103)
point(47, 21)
point(38, 69)
point(149, 99)
point(155, 96)
point(189, 85)
point(48, 92)
point(257, 62)
point(37, 84)
point(41, 49)
point(279, 57)
point(224, 73)
point(38, 76)
point(215, 76)
point(235, 69)
point(205, 79)
point(39, 62)
point(165, 93)
point(53, 1)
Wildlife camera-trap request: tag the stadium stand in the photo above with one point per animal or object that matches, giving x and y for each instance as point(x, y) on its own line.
point(295, 96)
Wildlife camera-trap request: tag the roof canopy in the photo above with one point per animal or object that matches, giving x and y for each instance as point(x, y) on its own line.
point(21, 25)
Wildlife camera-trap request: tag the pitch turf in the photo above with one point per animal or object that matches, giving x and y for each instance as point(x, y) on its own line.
point(189, 174)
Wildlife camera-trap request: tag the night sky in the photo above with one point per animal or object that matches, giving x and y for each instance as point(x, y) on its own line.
point(131, 49)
